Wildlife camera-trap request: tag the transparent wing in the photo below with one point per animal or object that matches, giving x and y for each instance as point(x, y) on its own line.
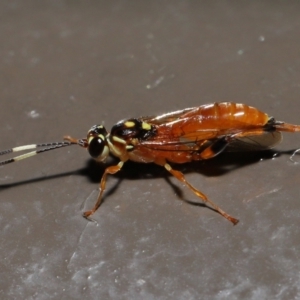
point(166, 118)
point(265, 141)
point(188, 130)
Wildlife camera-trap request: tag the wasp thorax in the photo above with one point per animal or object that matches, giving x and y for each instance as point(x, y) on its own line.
point(133, 128)
point(97, 143)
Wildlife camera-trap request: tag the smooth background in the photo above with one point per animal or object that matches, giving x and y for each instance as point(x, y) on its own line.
point(67, 65)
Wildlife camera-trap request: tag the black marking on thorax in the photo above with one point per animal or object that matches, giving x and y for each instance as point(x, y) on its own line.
point(133, 128)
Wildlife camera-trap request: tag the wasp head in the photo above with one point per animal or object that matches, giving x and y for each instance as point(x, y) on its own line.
point(97, 143)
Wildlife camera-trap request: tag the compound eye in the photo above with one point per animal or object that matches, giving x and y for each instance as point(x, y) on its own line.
point(98, 148)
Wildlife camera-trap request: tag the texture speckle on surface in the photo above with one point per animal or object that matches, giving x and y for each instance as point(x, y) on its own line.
point(67, 65)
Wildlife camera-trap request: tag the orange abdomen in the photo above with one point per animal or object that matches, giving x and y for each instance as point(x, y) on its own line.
point(183, 139)
point(223, 116)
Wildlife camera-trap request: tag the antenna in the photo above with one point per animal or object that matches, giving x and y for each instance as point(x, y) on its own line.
point(40, 149)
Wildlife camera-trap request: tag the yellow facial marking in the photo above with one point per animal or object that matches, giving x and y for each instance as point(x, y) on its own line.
point(104, 153)
point(146, 126)
point(101, 136)
point(129, 124)
point(129, 147)
point(117, 139)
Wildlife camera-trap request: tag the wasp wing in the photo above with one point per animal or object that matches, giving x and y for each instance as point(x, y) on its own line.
point(184, 131)
point(167, 117)
point(171, 134)
point(265, 141)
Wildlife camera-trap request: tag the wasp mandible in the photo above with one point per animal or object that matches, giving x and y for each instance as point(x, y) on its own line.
point(187, 135)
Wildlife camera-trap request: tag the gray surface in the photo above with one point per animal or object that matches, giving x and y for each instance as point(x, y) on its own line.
point(66, 65)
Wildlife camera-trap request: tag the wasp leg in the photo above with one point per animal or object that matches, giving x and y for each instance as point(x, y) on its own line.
point(109, 170)
point(181, 178)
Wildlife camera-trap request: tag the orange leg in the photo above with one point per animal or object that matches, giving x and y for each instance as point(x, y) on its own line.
point(181, 178)
point(109, 170)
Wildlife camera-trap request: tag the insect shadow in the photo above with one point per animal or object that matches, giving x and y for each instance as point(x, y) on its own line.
point(218, 166)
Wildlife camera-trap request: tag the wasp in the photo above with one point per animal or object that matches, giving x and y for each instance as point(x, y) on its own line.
point(187, 135)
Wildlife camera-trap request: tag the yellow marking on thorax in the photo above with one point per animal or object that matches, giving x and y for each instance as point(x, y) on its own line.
point(117, 139)
point(146, 126)
point(129, 124)
point(118, 151)
point(134, 142)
